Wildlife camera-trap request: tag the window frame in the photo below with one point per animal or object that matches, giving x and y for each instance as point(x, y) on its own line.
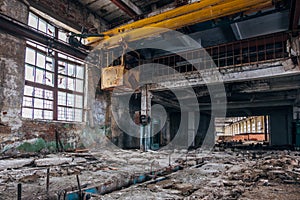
point(74, 92)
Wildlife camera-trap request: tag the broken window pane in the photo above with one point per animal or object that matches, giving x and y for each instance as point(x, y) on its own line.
point(51, 30)
point(49, 63)
point(62, 82)
point(49, 79)
point(62, 67)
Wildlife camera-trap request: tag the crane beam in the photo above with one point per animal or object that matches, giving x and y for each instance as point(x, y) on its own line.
point(187, 15)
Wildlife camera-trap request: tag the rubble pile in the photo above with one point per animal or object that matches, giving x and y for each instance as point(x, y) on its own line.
point(225, 175)
point(214, 175)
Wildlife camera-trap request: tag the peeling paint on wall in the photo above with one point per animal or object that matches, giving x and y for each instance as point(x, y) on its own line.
point(11, 94)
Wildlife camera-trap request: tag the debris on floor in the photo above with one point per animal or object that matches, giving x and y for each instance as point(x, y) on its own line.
point(215, 175)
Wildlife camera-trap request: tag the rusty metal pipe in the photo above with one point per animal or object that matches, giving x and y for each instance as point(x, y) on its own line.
point(79, 187)
point(19, 191)
point(47, 181)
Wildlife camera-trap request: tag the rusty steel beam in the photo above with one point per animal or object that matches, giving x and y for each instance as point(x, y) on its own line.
point(123, 6)
point(273, 38)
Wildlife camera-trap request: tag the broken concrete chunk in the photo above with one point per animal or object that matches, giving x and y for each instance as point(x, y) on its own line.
point(14, 164)
point(183, 186)
point(30, 178)
point(52, 161)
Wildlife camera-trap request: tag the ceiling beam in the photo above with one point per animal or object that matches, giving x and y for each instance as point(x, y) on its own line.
point(247, 104)
point(128, 7)
point(166, 102)
point(130, 4)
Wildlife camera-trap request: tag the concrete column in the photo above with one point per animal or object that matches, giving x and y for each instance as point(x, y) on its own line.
point(281, 124)
point(191, 129)
point(168, 129)
point(206, 131)
point(145, 132)
point(266, 127)
point(12, 62)
point(116, 132)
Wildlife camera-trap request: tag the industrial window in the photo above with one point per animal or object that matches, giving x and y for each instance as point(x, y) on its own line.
point(54, 81)
point(249, 126)
point(253, 125)
point(259, 128)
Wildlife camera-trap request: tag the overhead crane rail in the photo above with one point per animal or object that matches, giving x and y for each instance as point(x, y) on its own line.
point(177, 18)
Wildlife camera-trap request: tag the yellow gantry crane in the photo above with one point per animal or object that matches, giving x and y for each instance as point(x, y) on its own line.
point(183, 16)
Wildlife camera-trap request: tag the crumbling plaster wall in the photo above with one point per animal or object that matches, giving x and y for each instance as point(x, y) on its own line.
point(12, 57)
point(12, 60)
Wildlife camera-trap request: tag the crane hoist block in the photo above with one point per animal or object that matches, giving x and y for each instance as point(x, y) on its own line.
point(117, 76)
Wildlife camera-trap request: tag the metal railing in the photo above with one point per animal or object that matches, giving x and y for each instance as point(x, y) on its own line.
point(268, 48)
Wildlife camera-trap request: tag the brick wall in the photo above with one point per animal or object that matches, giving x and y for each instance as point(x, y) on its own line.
point(12, 57)
point(68, 132)
point(244, 137)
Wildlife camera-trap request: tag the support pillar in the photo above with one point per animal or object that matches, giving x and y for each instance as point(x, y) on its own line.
point(145, 132)
point(280, 122)
point(191, 129)
point(206, 131)
point(266, 127)
point(116, 132)
point(168, 129)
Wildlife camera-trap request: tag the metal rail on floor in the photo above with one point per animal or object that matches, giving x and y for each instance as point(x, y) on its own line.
point(111, 186)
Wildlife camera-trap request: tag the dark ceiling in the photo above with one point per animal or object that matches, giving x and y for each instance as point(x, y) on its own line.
point(210, 33)
point(116, 12)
